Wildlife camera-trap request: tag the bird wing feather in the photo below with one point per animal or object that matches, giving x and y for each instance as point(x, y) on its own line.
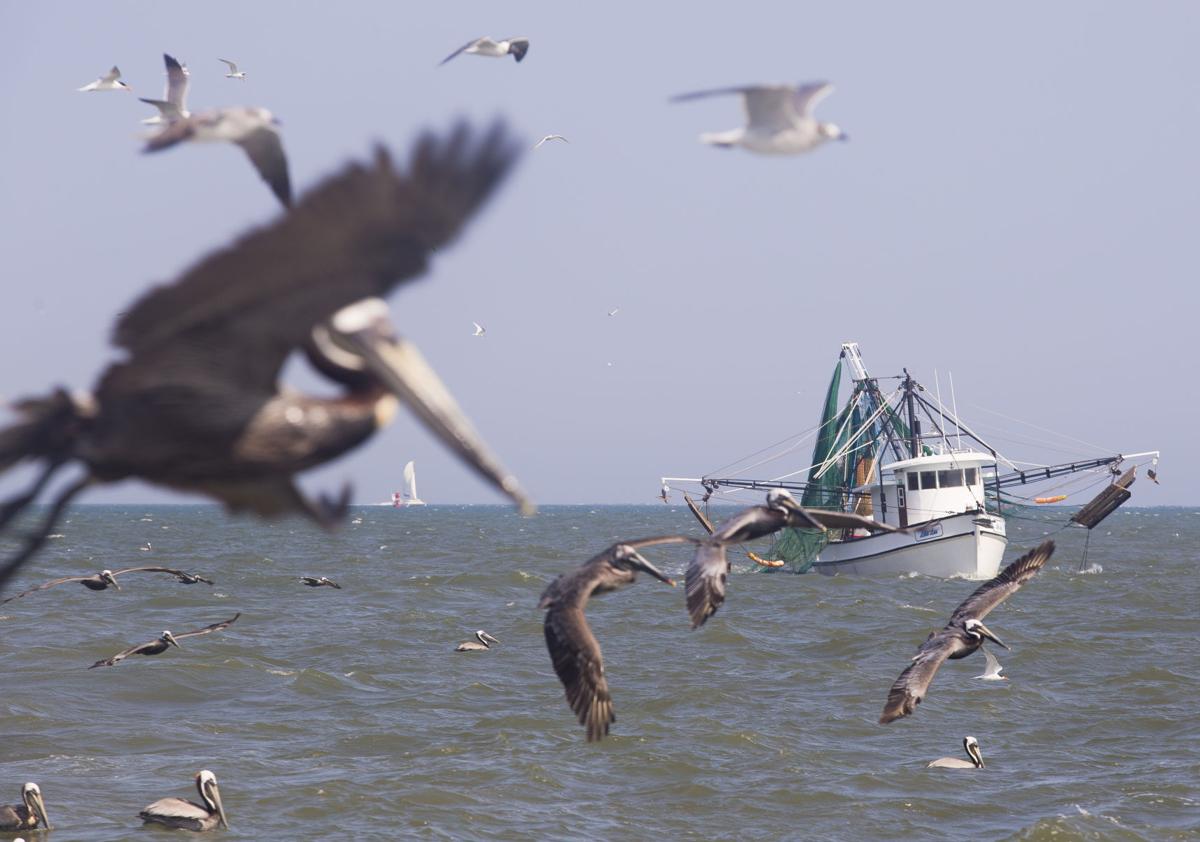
point(176, 808)
point(460, 50)
point(806, 97)
point(911, 686)
point(575, 654)
point(215, 627)
point(43, 587)
point(705, 580)
point(125, 653)
point(177, 83)
point(994, 591)
point(265, 149)
point(179, 574)
point(848, 520)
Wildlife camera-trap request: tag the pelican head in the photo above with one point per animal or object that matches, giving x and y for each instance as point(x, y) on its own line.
point(485, 638)
point(830, 131)
point(169, 638)
point(971, 745)
point(206, 782)
point(626, 557)
point(107, 576)
point(979, 631)
point(31, 795)
point(781, 499)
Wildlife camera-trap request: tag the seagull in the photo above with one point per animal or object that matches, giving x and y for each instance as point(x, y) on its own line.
point(27, 814)
point(992, 671)
point(480, 644)
point(107, 578)
point(317, 582)
point(779, 119)
point(574, 650)
point(971, 746)
point(161, 643)
point(485, 46)
point(550, 137)
point(480, 330)
point(614, 311)
point(233, 73)
point(173, 105)
point(188, 815)
point(962, 635)
point(110, 81)
point(253, 129)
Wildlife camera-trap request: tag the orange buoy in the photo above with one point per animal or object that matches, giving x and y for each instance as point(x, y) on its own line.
point(1041, 501)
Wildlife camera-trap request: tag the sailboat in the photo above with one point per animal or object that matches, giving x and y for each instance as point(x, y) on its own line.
point(872, 457)
point(409, 496)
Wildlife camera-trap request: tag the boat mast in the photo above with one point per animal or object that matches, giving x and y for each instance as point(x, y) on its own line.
point(914, 423)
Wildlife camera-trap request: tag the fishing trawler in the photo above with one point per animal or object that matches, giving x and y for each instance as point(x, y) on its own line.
point(871, 457)
point(408, 497)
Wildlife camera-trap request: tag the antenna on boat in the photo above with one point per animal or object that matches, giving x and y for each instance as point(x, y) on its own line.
point(914, 423)
point(954, 409)
point(937, 386)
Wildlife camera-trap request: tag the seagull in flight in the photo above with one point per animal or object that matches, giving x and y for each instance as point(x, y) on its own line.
point(110, 81)
point(233, 73)
point(253, 129)
point(480, 330)
point(614, 311)
point(779, 119)
point(173, 105)
point(485, 46)
point(548, 138)
point(992, 671)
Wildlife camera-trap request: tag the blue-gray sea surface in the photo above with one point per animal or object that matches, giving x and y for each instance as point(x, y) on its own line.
point(345, 713)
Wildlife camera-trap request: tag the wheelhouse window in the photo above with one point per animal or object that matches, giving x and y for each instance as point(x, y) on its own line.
point(972, 475)
point(928, 479)
point(950, 479)
point(912, 481)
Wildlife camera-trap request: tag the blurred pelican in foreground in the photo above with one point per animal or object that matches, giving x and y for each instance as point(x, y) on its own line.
point(479, 644)
point(161, 643)
point(110, 81)
point(27, 814)
point(779, 119)
point(196, 403)
point(574, 650)
point(971, 746)
point(962, 635)
point(182, 814)
point(108, 578)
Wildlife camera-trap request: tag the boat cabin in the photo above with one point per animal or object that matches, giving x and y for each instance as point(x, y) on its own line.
point(928, 487)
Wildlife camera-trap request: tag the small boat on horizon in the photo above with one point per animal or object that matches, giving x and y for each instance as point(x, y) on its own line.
point(408, 497)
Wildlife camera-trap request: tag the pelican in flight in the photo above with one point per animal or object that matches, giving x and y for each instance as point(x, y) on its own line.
point(779, 119)
point(709, 570)
point(182, 814)
point(971, 746)
point(991, 672)
point(108, 578)
point(27, 814)
point(161, 643)
point(173, 105)
point(196, 403)
point(110, 81)
point(574, 650)
point(963, 634)
point(319, 582)
point(480, 644)
point(253, 129)
point(233, 73)
point(485, 46)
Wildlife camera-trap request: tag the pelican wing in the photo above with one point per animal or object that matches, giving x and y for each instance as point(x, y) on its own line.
point(660, 539)
point(150, 647)
point(177, 83)
point(215, 627)
point(575, 653)
point(265, 149)
point(178, 574)
point(994, 591)
point(463, 48)
point(229, 323)
point(43, 587)
point(911, 686)
point(175, 808)
point(705, 580)
point(847, 520)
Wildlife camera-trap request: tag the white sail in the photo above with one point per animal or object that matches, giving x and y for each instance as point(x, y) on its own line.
point(410, 487)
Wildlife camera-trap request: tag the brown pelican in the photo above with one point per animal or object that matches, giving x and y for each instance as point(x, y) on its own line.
point(161, 643)
point(483, 639)
point(27, 814)
point(963, 634)
point(971, 746)
point(196, 404)
point(707, 573)
point(319, 581)
point(182, 814)
point(108, 578)
point(574, 650)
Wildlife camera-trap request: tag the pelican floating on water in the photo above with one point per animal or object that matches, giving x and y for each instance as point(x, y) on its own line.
point(480, 644)
point(779, 119)
point(197, 405)
point(108, 578)
point(962, 635)
point(319, 581)
point(161, 643)
point(709, 570)
point(485, 46)
point(188, 815)
point(992, 671)
point(573, 648)
point(27, 814)
point(971, 746)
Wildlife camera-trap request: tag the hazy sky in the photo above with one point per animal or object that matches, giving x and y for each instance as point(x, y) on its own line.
point(1017, 205)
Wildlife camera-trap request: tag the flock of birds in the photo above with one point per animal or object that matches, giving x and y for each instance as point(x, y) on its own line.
point(195, 404)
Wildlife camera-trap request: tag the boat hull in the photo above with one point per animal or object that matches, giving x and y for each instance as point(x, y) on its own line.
point(970, 545)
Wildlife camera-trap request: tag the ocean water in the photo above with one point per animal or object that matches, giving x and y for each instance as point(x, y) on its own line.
point(345, 713)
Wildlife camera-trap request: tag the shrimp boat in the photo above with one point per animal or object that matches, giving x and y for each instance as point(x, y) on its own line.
point(947, 488)
point(408, 497)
